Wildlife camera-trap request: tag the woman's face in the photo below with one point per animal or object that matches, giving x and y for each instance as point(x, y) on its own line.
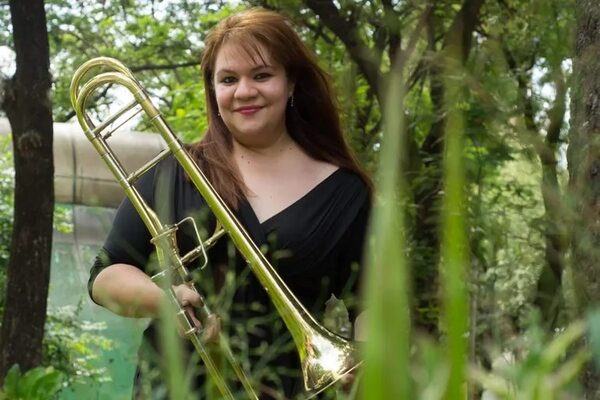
point(251, 95)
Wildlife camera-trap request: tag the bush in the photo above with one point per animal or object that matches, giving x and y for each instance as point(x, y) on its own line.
point(72, 345)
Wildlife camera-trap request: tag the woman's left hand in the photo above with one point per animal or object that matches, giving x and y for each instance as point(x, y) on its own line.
point(191, 301)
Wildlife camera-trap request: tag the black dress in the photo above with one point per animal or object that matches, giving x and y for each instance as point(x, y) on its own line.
point(315, 245)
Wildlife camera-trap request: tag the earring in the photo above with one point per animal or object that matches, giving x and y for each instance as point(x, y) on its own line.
point(292, 100)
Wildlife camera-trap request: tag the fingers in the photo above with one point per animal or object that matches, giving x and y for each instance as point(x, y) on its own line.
point(196, 324)
point(191, 302)
point(193, 298)
point(191, 313)
point(188, 296)
point(212, 329)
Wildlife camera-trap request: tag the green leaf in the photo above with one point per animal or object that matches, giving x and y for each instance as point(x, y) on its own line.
point(47, 383)
point(593, 321)
point(336, 317)
point(11, 382)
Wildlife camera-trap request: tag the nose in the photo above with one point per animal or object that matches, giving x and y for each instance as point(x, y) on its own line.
point(245, 88)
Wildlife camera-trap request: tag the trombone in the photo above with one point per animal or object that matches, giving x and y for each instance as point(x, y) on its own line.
point(324, 356)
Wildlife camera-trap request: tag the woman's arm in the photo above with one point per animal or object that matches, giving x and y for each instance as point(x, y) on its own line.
point(127, 291)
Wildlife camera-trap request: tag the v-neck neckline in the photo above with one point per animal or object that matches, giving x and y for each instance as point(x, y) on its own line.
point(293, 204)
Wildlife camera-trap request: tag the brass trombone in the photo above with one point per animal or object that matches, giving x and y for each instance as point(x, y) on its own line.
point(324, 356)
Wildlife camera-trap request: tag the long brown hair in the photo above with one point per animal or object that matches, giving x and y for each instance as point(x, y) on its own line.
point(313, 120)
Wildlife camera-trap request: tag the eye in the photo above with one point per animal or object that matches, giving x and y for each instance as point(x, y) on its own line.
point(262, 76)
point(227, 80)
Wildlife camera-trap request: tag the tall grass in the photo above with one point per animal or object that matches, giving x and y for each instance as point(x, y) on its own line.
point(390, 369)
point(454, 251)
point(387, 349)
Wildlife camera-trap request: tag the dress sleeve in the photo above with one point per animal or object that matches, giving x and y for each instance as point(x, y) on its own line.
point(128, 240)
point(350, 269)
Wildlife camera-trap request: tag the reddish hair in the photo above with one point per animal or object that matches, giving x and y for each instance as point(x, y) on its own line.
point(313, 122)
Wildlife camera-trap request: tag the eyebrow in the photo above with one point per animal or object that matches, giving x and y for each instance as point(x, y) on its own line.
point(229, 71)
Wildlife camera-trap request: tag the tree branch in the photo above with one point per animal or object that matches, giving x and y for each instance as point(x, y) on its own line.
point(156, 67)
point(368, 60)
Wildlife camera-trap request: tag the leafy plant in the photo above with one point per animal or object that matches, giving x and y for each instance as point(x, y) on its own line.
point(72, 345)
point(536, 367)
point(40, 383)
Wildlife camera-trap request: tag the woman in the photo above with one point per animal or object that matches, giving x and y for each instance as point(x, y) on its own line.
point(275, 153)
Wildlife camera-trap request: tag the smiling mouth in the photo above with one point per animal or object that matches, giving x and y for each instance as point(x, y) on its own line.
point(248, 110)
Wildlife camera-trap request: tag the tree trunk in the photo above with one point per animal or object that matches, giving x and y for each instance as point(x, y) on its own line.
point(584, 165)
point(549, 297)
point(29, 111)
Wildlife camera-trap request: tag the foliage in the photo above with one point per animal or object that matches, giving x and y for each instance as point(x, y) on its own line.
point(538, 366)
point(507, 246)
point(387, 286)
point(71, 346)
point(40, 383)
point(160, 41)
